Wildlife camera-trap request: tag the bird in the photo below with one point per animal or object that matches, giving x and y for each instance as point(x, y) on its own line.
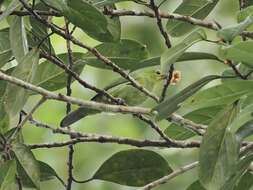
point(123, 90)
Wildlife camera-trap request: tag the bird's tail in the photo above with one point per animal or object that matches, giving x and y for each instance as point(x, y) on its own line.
point(76, 115)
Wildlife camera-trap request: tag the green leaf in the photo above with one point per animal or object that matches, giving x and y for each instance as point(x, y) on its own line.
point(196, 186)
point(18, 38)
point(222, 94)
point(29, 164)
point(52, 77)
point(171, 104)
point(239, 52)
point(11, 7)
point(192, 56)
point(125, 53)
point(26, 71)
point(89, 19)
point(134, 167)
point(201, 116)
point(219, 150)
point(7, 175)
point(195, 8)
point(174, 53)
point(229, 33)
point(246, 182)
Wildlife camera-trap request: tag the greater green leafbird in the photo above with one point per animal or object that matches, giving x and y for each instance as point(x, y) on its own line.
point(122, 89)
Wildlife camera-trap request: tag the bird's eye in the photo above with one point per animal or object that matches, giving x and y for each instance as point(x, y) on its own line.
point(158, 72)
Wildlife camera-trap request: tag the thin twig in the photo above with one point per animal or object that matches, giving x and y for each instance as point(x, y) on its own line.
point(159, 23)
point(174, 174)
point(68, 108)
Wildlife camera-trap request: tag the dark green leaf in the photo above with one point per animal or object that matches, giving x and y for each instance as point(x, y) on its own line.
point(19, 138)
point(7, 175)
point(229, 33)
point(29, 164)
point(26, 71)
point(196, 186)
point(195, 8)
point(174, 53)
point(89, 19)
point(239, 52)
point(171, 104)
point(219, 150)
point(134, 167)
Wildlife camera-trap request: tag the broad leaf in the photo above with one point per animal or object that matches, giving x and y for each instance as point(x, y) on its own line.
point(11, 7)
point(170, 105)
point(26, 71)
point(219, 150)
point(222, 94)
point(18, 38)
point(134, 167)
point(196, 186)
point(195, 8)
point(88, 18)
point(229, 33)
point(239, 52)
point(28, 163)
point(7, 175)
point(174, 53)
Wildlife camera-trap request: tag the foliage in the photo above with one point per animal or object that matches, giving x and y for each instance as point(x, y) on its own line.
point(218, 120)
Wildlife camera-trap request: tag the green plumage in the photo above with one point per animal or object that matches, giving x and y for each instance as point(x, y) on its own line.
point(120, 89)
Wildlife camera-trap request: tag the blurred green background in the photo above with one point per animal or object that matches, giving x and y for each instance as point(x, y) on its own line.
point(89, 156)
